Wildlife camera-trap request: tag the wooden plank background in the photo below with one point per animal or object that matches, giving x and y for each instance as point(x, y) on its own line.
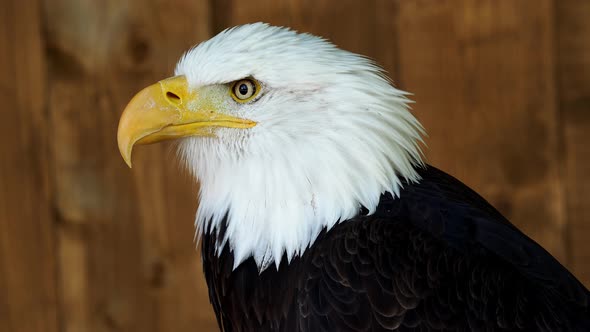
point(502, 87)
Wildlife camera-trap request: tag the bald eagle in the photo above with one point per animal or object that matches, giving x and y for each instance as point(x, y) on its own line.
point(316, 211)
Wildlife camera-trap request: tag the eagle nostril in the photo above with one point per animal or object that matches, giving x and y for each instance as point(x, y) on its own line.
point(173, 98)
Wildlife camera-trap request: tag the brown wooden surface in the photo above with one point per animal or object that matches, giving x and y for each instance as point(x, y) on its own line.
point(28, 293)
point(573, 71)
point(483, 78)
point(502, 87)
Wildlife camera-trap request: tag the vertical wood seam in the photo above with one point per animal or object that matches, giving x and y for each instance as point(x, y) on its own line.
point(397, 81)
point(216, 21)
point(560, 154)
point(51, 183)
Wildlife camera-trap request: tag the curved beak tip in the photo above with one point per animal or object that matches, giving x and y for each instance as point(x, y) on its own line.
point(128, 162)
point(127, 158)
point(125, 149)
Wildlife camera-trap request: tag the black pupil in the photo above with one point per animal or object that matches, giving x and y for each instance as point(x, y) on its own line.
point(243, 88)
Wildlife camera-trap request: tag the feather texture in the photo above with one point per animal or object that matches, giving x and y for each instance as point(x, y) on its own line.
point(437, 258)
point(332, 134)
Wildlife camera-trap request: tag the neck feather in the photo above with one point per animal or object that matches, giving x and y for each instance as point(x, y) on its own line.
point(277, 199)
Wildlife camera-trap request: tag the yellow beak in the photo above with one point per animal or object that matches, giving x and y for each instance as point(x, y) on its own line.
point(169, 110)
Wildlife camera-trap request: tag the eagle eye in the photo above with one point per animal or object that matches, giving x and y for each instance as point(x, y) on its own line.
point(244, 90)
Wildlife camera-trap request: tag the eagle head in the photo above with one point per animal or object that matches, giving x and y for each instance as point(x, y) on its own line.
point(286, 133)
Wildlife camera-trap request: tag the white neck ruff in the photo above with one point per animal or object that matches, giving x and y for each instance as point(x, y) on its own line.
point(277, 196)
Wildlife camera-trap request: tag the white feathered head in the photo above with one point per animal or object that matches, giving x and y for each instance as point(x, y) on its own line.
point(286, 133)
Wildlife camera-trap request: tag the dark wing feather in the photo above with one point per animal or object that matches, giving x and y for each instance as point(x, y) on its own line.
point(437, 258)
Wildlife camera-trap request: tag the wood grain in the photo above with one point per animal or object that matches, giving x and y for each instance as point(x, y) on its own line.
point(482, 74)
point(28, 293)
point(573, 71)
point(127, 259)
point(502, 87)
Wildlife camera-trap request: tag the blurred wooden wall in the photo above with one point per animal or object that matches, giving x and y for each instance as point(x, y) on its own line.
point(503, 88)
